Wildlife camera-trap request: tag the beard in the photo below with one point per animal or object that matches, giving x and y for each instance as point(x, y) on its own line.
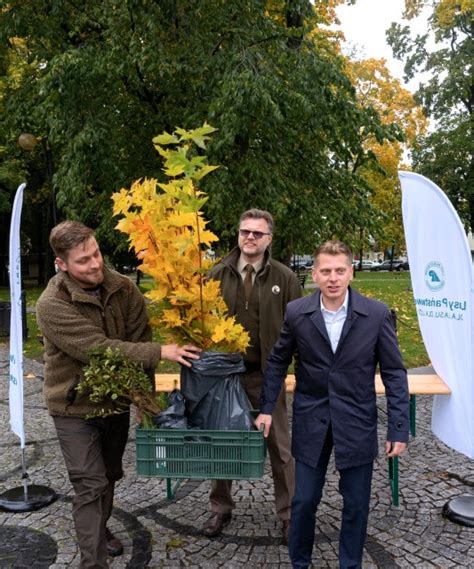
point(89, 280)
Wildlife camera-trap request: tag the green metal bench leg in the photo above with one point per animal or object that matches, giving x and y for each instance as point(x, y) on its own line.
point(393, 478)
point(413, 415)
point(393, 462)
point(170, 489)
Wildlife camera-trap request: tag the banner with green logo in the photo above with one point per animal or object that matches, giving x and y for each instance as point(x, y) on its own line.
point(442, 280)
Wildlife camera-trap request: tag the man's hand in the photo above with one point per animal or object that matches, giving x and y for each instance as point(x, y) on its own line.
point(175, 353)
point(394, 449)
point(266, 421)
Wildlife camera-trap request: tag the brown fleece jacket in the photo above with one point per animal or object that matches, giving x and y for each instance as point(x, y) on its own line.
point(74, 322)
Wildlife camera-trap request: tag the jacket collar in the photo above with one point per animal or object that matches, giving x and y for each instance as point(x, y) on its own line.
point(357, 303)
point(357, 307)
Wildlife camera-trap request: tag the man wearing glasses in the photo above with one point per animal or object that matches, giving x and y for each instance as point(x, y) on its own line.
point(257, 289)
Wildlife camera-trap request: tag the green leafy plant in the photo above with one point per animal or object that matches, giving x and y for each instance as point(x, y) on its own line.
point(110, 375)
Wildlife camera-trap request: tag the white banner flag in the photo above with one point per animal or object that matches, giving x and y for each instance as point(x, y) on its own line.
point(16, 321)
point(442, 280)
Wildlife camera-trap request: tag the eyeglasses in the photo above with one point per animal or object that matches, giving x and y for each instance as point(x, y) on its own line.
point(257, 234)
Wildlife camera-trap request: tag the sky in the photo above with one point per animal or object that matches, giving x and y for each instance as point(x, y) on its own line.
point(364, 25)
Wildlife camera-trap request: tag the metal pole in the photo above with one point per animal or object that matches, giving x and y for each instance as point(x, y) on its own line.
point(24, 475)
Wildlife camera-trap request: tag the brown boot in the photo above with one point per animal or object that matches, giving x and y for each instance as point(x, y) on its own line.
point(114, 545)
point(216, 523)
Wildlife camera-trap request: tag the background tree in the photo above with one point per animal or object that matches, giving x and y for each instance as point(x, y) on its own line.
point(377, 89)
point(100, 79)
point(16, 166)
point(445, 154)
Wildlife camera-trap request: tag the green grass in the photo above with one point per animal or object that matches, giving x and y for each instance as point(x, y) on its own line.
point(33, 347)
point(392, 288)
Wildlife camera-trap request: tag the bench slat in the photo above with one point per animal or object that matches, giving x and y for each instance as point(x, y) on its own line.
point(429, 384)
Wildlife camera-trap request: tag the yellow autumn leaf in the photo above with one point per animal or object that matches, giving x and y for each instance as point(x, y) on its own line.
point(172, 317)
point(168, 232)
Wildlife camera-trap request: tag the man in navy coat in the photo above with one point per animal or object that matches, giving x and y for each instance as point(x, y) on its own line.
point(339, 337)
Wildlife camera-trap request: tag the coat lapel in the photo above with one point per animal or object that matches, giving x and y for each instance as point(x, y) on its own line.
point(317, 318)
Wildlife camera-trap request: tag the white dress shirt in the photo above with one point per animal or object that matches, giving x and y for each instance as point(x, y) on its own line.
point(334, 321)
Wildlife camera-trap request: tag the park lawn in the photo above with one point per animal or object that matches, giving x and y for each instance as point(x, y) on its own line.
point(33, 347)
point(393, 288)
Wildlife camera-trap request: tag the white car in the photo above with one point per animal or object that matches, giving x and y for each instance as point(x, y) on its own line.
point(366, 264)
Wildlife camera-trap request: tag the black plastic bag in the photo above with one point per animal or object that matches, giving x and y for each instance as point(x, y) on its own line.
point(174, 416)
point(214, 396)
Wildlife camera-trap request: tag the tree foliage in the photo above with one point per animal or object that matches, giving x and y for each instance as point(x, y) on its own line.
point(445, 154)
point(395, 105)
point(100, 78)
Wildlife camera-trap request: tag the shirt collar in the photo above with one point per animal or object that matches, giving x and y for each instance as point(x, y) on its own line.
point(342, 309)
point(241, 264)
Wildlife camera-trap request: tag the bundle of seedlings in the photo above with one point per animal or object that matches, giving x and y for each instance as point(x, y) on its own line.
point(112, 380)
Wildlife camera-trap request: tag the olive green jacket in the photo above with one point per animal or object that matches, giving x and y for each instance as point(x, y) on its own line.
point(277, 285)
point(73, 323)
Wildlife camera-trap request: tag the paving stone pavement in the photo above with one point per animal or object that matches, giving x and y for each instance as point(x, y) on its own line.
point(159, 533)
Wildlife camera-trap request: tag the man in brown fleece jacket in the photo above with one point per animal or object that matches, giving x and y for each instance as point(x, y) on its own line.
point(86, 306)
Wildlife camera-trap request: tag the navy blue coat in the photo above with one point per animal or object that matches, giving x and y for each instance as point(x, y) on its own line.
point(339, 389)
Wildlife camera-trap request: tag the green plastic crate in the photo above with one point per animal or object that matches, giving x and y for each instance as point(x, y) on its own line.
point(180, 453)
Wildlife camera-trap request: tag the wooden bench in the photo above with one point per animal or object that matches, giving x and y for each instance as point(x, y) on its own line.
point(421, 382)
point(418, 384)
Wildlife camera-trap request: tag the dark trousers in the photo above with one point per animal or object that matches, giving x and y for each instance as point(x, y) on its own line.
point(354, 487)
point(279, 450)
point(93, 450)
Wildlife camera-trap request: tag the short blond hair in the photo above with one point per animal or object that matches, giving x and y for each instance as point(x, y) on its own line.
point(333, 248)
